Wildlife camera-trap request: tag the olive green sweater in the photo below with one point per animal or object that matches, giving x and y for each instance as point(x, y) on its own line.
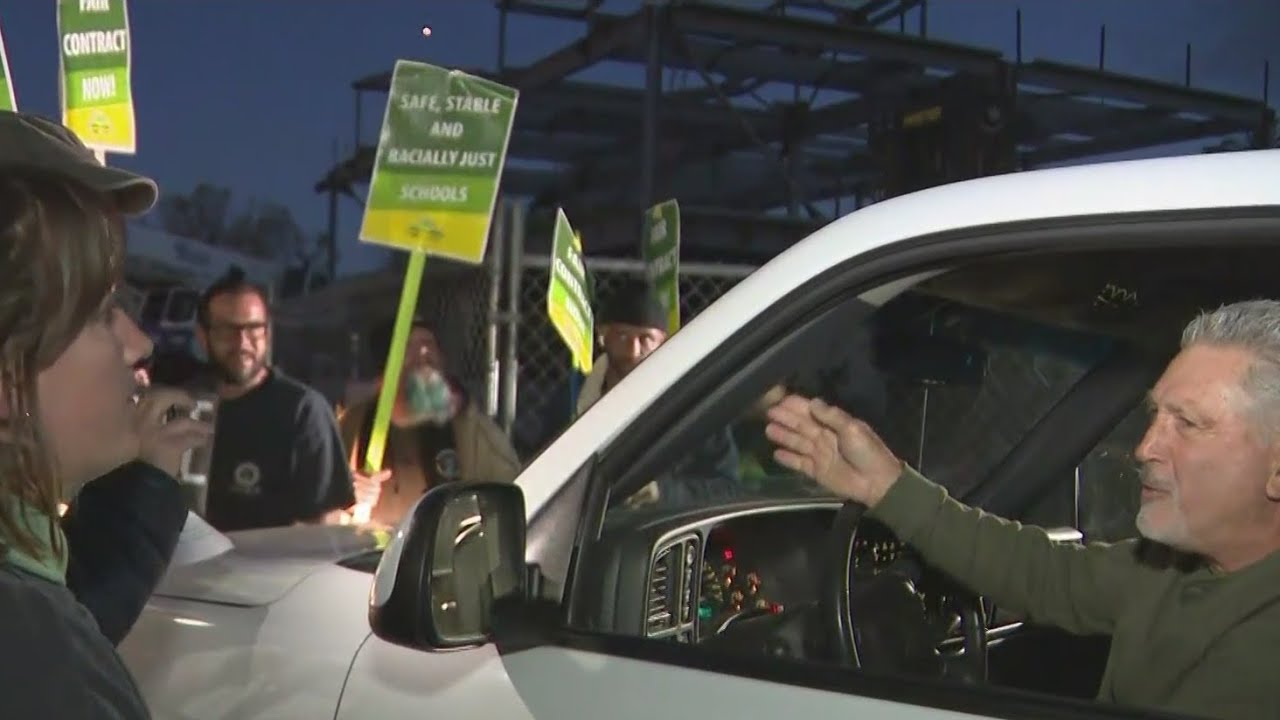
point(1184, 639)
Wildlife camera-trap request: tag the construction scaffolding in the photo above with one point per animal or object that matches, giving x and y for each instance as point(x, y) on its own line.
point(769, 119)
point(766, 121)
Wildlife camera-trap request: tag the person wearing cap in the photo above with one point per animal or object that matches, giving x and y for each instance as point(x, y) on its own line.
point(438, 434)
point(277, 458)
point(74, 429)
point(632, 325)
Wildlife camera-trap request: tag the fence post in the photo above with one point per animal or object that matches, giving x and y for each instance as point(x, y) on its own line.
point(515, 269)
point(497, 241)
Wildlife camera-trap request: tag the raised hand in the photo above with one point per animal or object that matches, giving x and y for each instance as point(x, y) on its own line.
point(165, 428)
point(841, 453)
point(368, 488)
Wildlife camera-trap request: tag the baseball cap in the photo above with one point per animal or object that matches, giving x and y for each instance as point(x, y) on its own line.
point(32, 142)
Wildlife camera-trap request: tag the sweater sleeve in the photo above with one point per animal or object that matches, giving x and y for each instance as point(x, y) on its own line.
point(1079, 588)
point(121, 532)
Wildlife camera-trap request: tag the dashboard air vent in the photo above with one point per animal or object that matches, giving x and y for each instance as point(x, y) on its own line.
point(673, 590)
point(658, 615)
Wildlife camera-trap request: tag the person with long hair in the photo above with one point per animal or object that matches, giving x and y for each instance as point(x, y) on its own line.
point(70, 413)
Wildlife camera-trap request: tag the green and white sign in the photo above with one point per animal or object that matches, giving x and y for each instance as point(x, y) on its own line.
point(661, 233)
point(96, 56)
point(439, 160)
point(568, 297)
point(7, 99)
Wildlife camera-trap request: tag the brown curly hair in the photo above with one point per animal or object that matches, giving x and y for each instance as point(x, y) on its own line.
point(61, 256)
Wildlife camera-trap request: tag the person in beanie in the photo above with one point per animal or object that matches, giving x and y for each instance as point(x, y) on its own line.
point(632, 325)
point(437, 435)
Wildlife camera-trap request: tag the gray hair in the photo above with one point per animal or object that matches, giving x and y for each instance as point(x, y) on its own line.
point(1253, 325)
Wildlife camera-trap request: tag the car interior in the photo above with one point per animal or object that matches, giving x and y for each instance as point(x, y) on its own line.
point(1013, 381)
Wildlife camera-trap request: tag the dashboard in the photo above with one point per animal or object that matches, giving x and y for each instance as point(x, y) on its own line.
point(686, 578)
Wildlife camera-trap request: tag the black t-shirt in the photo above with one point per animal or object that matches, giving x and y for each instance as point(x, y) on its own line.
point(277, 458)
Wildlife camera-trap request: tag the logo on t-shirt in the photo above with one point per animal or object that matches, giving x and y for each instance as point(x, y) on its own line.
point(247, 479)
point(447, 464)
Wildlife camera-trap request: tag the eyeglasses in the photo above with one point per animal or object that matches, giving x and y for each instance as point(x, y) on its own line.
point(231, 331)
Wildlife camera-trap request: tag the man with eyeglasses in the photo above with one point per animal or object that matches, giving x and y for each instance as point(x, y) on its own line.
point(277, 457)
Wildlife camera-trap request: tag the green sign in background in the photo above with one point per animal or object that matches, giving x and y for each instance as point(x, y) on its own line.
point(7, 99)
point(661, 233)
point(568, 294)
point(95, 53)
point(439, 162)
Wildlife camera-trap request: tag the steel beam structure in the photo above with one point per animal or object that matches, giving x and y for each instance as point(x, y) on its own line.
point(1161, 132)
point(754, 27)
point(603, 38)
point(1167, 96)
point(722, 235)
point(811, 69)
point(734, 141)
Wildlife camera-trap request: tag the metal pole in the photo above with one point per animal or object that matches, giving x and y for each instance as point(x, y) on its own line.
point(1266, 127)
point(515, 270)
point(498, 236)
point(1102, 49)
point(332, 239)
point(1018, 35)
point(1187, 72)
point(359, 97)
point(652, 94)
point(1266, 82)
point(924, 18)
point(502, 36)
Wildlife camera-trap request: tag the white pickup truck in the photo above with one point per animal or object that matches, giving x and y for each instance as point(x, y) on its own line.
point(999, 333)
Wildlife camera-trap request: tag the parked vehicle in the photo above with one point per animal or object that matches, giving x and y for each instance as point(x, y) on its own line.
point(999, 333)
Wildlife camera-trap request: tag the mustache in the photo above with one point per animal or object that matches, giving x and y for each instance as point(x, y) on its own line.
point(1150, 478)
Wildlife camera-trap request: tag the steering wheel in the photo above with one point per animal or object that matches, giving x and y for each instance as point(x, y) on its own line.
point(881, 622)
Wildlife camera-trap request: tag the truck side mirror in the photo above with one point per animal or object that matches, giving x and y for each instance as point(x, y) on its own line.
point(459, 550)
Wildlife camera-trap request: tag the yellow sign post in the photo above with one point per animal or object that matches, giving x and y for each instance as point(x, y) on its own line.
point(435, 183)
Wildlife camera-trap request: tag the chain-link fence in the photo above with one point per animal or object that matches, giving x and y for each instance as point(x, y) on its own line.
point(544, 362)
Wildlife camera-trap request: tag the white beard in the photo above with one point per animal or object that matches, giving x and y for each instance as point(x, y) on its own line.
point(1172, 530)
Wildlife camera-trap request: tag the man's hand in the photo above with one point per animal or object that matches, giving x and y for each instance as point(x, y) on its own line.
point(166, 430)
point(843, 454)
point(368, 488)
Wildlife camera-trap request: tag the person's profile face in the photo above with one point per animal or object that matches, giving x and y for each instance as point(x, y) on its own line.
point(86, 398)
point(1207, 462)
point(238, 339)
point(627, 346)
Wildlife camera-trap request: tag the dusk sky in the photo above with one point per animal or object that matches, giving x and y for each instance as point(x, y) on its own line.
point(254, 94)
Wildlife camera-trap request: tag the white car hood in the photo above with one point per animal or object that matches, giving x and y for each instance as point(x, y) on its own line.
point(256, 567)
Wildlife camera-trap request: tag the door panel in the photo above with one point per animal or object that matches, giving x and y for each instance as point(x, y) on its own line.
point(557, 683)
point(1048, 660)
point(396, 683)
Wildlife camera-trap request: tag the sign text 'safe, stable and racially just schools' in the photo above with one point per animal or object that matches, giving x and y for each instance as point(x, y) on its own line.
point(439, 162)
point(7, 99)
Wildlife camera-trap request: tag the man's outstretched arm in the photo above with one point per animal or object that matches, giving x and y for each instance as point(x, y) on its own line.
point(1079, 588)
